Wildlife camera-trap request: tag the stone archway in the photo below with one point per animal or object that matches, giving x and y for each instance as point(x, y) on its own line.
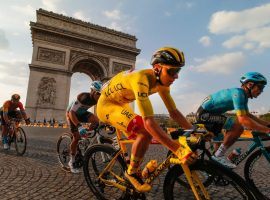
point(63, 46)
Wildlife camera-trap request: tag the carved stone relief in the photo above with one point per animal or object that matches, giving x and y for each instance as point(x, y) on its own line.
point(51, 56)
point(118, 67)
point(46, 91)
point(53, 38)
point(75, 54)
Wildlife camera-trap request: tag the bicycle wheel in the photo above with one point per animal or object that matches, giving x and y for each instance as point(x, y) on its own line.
point(96, 159)
point(63, 150)
point(226, 184)
point(257, 173)
point(20, 141)
point(204, 177)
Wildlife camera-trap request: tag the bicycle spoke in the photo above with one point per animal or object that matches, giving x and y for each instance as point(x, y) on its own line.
point(257, 178)
point(20, 141)
point(63, 150)
point(99, 181)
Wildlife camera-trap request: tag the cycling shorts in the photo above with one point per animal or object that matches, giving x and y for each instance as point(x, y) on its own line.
point(11, 114)
point(121, 116)
point(82, 118)
point(214, 122)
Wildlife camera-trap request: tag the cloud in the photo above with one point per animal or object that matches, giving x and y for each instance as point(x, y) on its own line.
point(114, 14)
point(51, 5)
point(118, 21)
point(221, 64)
point(253, 39)
point(80, 15)
point(25, 10)
point(194, 101)
point(167, 13)
point(190, 4)
point(8, 76)
point(115, 26)
point(4, 44)
point(223, 22)
point(142, 63)
point(205, 41)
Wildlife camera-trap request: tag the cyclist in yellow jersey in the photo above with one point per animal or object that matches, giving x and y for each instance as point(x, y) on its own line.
point(113, 108)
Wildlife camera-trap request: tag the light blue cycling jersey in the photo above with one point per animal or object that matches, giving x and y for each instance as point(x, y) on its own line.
point(227, 100)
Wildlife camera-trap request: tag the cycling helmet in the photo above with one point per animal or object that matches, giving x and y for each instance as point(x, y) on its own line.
point(170, 56)
point(255, 77)
point(96, 86)
point(15, 97)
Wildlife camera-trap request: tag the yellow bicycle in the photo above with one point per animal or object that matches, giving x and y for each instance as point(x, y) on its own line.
point(105, 174)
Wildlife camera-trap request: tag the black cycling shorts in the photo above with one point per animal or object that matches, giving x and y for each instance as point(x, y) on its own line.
point(213, 122)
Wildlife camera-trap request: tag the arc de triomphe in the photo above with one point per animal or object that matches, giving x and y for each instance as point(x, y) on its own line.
point(64, 45)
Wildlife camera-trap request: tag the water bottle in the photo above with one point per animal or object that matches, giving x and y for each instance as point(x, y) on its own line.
point(234, 154)
point(149, 168)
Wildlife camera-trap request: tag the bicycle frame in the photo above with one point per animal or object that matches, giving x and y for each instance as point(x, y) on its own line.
point(257, 142)
point(13, 126)
point(192, 177)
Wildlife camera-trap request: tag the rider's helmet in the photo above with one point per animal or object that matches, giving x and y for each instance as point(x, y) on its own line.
point(254, 77)
point(96, 86)
point(170, 56)
point(15, 98)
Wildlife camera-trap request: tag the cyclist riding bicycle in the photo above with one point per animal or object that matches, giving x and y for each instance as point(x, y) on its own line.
point(114, 108)
point(9, 110)
point(211, 113)
point(77, 113)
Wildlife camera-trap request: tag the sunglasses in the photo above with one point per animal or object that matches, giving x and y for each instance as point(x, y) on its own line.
point(261, 87)
point(172, 71)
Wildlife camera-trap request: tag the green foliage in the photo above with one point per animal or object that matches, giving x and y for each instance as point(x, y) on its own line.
point(265, 117)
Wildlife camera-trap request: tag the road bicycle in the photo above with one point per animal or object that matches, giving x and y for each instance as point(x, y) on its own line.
point(258, 157)
point(16, 135)
point(97, 136)
point(105, 177)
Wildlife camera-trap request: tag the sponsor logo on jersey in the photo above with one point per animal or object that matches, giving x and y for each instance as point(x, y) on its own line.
point(127, 114)
point(142, 94)
point(114, 88)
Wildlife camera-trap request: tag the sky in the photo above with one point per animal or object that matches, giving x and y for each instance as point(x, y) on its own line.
point(221, 41)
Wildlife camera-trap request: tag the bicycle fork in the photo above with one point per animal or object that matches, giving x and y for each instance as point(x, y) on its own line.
point(194, 181)
point(108, 169)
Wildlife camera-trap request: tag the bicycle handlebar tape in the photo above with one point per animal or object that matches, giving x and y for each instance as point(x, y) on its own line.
point(184, 151)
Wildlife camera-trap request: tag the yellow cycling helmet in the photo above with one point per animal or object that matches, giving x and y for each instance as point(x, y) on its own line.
point(170, 56)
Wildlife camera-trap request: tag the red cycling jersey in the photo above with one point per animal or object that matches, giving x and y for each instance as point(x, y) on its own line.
point(10, 106)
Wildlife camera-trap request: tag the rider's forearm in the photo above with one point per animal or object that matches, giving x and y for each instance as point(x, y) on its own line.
point(154, 129)
point(180, 119)
point(252, 124)
point(263, 122)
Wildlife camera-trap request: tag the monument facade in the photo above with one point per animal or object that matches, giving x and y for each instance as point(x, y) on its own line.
point(62, 46)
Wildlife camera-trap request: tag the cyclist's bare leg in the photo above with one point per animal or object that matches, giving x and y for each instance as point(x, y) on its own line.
point(231, 136)
point(93, 119)
point(139, 148)
point(4, 130)
point(74, 143)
